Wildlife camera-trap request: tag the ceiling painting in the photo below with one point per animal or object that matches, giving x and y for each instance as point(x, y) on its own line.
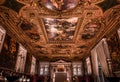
point(90, 29)
point(25, 1)
point(60, 52)
point(60, 4)
point(95, 1)
point(13, 4)
point(30, 30)
point(60, 29)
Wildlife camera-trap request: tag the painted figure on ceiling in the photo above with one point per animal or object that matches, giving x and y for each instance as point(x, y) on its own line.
point(57, 3)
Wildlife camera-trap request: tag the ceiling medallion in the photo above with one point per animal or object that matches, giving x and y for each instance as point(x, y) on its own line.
point(60, 5)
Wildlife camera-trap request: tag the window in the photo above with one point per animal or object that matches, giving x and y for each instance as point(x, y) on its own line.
point(74, 70)
point(77, 69)
point(44, 68)
point(41, 71)
point(33, 65)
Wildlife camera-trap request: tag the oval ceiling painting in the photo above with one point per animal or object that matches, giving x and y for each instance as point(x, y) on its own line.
point(60, 4)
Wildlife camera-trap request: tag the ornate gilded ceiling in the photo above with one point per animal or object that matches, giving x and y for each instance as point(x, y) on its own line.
point(60, 28)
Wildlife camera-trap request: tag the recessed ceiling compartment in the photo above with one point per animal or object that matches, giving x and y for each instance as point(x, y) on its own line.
point(60, 29)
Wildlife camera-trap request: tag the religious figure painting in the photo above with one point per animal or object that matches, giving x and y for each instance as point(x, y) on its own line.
point(91, 29)
point(60, 4)
point(33, 65)
point(114, 48)
point(28, 63)
point(30, 29)
point(60, 29)
point(21, 58)
point(118, 32)
point(9, 52)
point(2, 36)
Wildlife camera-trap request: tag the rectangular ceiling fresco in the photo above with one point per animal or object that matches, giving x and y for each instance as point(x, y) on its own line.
point(60, 29)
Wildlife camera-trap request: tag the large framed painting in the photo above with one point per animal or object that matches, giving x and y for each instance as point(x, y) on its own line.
point(118, 33)
point(9, 52)
point(33, 65)
point(28, 63)
point(2, 36)
point(114, 48)
point(21, 59)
